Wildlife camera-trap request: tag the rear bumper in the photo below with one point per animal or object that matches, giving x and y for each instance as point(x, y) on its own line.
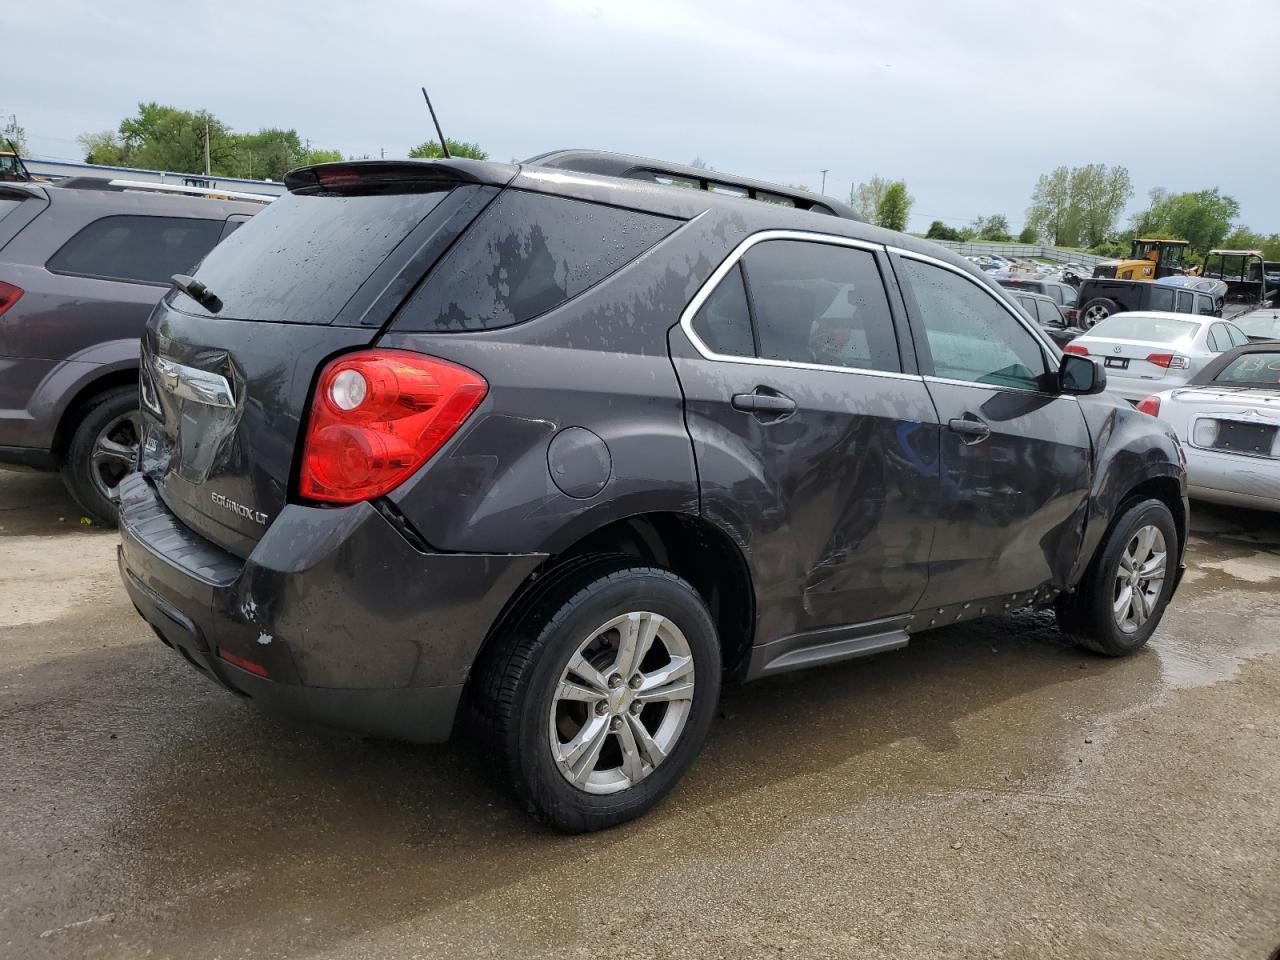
point(351, 626)
point(1233, 479)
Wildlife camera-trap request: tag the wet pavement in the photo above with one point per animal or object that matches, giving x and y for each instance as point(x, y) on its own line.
point(985, 792)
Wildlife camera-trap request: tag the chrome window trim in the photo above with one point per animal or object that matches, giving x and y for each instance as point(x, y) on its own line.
point(727, 266)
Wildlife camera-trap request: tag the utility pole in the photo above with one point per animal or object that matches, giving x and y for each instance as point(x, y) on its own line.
point(206, 148)
point(823, 191)
point(382, 153)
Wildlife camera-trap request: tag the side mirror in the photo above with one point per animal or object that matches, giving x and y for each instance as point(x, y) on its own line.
point(1081, 376)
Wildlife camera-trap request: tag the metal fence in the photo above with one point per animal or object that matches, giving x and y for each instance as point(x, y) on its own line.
point(973, 248)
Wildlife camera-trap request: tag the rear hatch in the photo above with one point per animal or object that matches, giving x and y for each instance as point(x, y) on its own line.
point(226, 385)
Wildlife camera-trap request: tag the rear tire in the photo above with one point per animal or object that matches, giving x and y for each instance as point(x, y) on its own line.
point(103, 448)
point(559, 693)
point(1119, 602)
point(1097, 310)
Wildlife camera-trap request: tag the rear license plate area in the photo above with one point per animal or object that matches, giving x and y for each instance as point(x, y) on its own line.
point(1251, 438)
point(1118, 363)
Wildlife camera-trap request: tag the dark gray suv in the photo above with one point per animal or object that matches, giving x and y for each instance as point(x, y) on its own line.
point(81, 267)
point(568, 443)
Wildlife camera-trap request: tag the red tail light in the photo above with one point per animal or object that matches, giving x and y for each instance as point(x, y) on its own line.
point(1079, 351)
point(1168, 360)
point(1071, 314)
point(9, 295)
point(237, 661)
point(379, 415)
point(1150, 406)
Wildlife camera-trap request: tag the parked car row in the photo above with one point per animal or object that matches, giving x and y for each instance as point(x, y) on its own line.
point(81, 267)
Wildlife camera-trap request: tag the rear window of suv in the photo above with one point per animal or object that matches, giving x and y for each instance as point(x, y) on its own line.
point(302, 258)
point(136, 249)
point(528, 253)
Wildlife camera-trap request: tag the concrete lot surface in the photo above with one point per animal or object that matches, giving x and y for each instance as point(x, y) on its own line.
point(986, 792)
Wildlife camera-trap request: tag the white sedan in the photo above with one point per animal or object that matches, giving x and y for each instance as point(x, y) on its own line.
point(1149, 351)
point(1228, 419)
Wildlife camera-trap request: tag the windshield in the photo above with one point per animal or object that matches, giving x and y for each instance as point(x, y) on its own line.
point(1256, 369)
point(1265, 325)
point(1135, 326)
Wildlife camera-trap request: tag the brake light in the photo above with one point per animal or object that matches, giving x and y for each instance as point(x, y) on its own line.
point(337, 176)
point(378, 416)
point(1170, 361)
point(1075, 348)
point(1150, 406)
point(1071, 314)
point(9, 295)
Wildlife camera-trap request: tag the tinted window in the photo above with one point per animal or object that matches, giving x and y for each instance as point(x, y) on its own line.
point(301, 259)
point(528, 253)
point(972, 337)
point(139, 249)
point(724, 323)
point(1204, 305)
point(1262, 368)
point(1049, 313)
point(1068, 295)
point(820, 303)
point(1184, 301)
point(1161, 297)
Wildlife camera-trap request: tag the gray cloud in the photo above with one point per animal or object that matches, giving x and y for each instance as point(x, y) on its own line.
point(967, 102)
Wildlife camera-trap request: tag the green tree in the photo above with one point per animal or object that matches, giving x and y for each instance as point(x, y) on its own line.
point(1028, 235)
point(1081, 206)
point(105, 148)
point(268, 154)
point(14, 133)
point(1242, 238)
point(430, 150)
point(994, 228)
point(1202, 218)
point(865, 197)
point(940, 231)
point(166, 138)
point(894, 207)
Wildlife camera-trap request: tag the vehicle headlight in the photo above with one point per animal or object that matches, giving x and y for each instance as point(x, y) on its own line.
point(1204, 433)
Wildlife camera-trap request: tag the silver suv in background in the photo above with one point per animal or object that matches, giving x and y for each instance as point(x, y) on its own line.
point(82, 264)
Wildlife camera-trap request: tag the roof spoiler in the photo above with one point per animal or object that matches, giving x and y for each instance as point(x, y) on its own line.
point(656, 171)
point(395, 176)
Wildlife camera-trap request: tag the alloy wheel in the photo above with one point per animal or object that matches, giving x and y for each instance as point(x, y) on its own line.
point(115, 453)
point(1095, 315)
point(622, 702)
point(1139, 578)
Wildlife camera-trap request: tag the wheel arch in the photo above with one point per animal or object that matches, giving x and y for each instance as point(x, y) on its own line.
point(108, 379)
point(686, 544)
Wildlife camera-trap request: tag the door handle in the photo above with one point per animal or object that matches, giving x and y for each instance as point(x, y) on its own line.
point(974, 431)
point(769, 404)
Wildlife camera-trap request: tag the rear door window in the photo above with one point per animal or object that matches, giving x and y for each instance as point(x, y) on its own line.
point(526, 254)
point(820, 303)
point(136, 249)
point(1161, 297)
point(1049, 313)
point(1185, 302)
point(970, 336)
point(1204, 305)
point(1067, 295)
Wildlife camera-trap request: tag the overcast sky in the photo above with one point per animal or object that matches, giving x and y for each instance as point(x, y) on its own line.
point(968, 102)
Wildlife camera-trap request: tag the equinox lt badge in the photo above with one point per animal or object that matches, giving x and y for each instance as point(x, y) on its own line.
point(239, 509)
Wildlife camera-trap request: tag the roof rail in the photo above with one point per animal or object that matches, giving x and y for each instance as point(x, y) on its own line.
point(628, 167)
point(216, 192)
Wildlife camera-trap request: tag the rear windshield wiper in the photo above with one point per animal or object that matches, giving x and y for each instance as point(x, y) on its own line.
point(197, 291)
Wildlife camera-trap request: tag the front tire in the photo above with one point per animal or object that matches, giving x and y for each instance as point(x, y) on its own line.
point(1128, 585)
point(103, 448)
point(600, 697)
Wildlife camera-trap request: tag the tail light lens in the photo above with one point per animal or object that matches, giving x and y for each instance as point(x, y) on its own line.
point(1071, 314)
point(1150, 406)
point(9, 295)
point(1078, 350)
point(1170, 361)
point(378, 416)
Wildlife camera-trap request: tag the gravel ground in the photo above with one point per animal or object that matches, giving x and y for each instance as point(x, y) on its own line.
point(985, 792)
